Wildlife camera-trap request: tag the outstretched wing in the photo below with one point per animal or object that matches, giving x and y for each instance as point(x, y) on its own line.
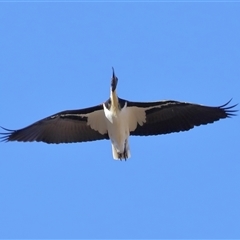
point(64, 127)
point(171, 116)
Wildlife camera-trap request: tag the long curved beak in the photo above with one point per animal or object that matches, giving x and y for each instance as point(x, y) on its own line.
point(113, 75)
point(114, 81)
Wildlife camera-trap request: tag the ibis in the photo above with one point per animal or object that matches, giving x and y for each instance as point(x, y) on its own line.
point(117, 119)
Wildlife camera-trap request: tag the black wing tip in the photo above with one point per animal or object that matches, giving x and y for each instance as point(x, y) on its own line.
point(230, 112)
point(6, 135)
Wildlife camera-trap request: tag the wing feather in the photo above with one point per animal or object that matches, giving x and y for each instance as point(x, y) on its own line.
point(63, 127)
point(171, 116)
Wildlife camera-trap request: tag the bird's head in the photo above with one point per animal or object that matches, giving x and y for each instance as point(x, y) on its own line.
point(114, 81)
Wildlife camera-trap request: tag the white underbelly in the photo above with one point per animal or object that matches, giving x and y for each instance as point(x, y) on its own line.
point(118, 132)
point(118, 129)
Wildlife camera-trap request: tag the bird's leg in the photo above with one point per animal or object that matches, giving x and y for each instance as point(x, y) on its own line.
point(120, 156)
point(125, 151)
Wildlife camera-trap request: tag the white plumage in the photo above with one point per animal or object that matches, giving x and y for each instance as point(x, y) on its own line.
point(117, 119)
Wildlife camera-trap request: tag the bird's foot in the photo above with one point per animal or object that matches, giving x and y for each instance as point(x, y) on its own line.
point(123, 155)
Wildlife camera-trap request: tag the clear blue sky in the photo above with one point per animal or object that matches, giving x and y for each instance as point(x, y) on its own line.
point(58, 56)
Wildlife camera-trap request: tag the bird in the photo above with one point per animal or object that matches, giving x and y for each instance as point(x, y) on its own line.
point(117, 119)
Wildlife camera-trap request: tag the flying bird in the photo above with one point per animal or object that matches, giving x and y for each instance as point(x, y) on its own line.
point(117, 119)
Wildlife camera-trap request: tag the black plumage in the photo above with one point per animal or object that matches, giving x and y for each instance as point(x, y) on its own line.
point(63, 127)
point(172, 116)
point(116, 119)
point(161, 118)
